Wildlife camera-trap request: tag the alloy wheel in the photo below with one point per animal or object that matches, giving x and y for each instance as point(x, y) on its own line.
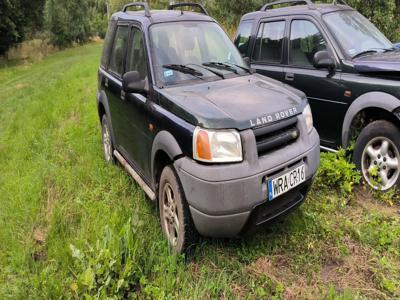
point(107, 142)
point(380, 163)
point(170, 214)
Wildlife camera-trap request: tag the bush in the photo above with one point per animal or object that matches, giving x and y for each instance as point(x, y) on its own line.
point(337, 171)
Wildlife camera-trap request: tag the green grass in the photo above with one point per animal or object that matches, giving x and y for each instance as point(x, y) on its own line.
point(72, 225)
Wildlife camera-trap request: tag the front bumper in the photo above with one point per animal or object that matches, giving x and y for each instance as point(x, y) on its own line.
point(226, 200)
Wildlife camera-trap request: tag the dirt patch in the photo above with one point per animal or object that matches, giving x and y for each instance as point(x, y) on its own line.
point(353, 272)
point(41, 230)
point(366, 200)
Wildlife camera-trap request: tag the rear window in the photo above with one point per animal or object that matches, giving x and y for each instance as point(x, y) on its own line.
point(269, 43)
point(108, 44)
point(243, 36)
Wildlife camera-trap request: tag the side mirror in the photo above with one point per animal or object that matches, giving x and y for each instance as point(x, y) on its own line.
point(322, 60)
point(131, 83)
point(247, 61)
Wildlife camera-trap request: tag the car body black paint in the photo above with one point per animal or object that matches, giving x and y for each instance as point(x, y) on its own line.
point(331, 93)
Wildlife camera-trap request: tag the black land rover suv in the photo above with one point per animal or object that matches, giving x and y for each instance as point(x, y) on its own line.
point(349, 71)
point(220, 149)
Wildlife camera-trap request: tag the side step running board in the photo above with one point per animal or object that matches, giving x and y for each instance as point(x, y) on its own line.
point(135, 176)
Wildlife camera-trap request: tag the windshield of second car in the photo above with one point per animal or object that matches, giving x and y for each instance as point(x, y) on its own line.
point(355, 33)
point(183, 51)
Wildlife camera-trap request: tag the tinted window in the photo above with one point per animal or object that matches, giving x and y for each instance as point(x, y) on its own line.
point(117, 55)
point(305, 41)
point(108, 44)
point(137, 55)
point(243, 37)
point(269, 42)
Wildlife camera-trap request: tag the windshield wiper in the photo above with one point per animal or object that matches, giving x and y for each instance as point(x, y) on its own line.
point(221, 66)
point(240, 67)
point(209, 70)
point(373, 50)
point(364, 53)
point(185, 70)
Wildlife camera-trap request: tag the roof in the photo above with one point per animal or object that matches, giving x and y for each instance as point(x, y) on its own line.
point(161, 16)
point(315, 9)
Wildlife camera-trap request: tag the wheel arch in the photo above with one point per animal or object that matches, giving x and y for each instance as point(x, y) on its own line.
point(369, 107)
point(165, 151)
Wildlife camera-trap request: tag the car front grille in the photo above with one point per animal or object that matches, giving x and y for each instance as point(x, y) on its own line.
point(275, 136)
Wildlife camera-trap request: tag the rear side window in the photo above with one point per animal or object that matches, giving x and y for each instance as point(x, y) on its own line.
point(117, 55)
point(269, 43)
point(243, 36)
point(108, 44)
point(305, 41)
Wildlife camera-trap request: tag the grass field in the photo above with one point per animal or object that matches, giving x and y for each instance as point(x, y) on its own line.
point(72, 226)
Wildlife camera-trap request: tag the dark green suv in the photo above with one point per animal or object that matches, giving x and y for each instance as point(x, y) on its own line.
point(347, 68)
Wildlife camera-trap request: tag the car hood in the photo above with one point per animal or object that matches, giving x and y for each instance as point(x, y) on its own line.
point(388, 62)
point(241, 102)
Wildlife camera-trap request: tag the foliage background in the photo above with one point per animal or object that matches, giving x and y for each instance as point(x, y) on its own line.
point(76, 21)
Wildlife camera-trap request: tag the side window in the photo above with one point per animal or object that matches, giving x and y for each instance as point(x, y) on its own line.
point(243, 36)
point(305, 41)
point(117, 54)
point(108, 44)
point(137, 55)
point(269, 43)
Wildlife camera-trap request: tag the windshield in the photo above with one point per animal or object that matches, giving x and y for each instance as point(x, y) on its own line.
point(355, 33)
point(184, 51)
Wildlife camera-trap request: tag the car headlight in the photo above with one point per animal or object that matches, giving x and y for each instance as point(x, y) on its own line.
point(307, 114)
point(217, 146)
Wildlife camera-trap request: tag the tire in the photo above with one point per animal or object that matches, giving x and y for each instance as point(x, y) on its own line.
point(377, 151)
point(108, 147)
point(176, 220)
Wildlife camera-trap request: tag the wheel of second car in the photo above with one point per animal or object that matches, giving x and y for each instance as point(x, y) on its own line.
point(108, 147)
point(377, 155)
point(176, 220)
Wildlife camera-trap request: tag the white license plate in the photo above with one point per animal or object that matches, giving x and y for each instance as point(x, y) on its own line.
point(286, 182)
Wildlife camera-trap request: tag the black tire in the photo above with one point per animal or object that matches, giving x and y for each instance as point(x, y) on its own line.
point(181, 235)
point(378, 147)
point(108, 147)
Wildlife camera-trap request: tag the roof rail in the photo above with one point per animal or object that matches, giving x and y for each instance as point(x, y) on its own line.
point(144, 5)
point(309, 3)
point(188, 4)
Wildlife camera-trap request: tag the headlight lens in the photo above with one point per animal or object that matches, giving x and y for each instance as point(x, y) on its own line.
point(217, 146)
point(307, 113)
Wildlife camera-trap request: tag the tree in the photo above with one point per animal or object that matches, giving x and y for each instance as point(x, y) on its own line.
point(67, 21)
point(10, 21)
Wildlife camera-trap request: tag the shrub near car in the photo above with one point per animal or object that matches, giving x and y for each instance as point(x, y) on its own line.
point(348, 69)
point(221, 150)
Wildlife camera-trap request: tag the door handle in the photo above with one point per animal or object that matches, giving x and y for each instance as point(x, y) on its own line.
point(289, 76)
point(106, 82)
point(123, 95)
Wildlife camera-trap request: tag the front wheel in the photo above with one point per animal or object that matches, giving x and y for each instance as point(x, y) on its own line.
point(176, 220)
point(377, 155)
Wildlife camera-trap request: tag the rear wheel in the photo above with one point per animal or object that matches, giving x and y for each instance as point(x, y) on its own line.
point(377, 155)
point(108, 147)
point(176, 220)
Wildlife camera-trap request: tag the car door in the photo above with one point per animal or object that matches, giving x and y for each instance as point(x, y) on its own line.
point(323, 87)
point(268, 55)
point(113, 81)
point(137, 134)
